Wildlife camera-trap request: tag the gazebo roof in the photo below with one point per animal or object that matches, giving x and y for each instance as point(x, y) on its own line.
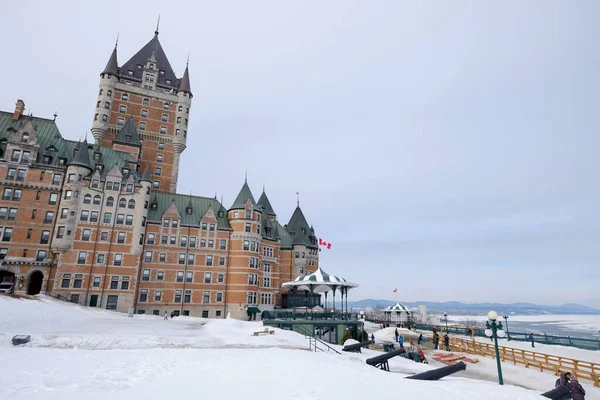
point(398, 308)
point(319, 281)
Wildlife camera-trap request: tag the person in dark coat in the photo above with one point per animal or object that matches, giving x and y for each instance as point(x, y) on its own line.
point(436, 340)
point(563, 380)
point(421, 340)
point(532, 340)
point(396, 334)
point(577, 391)
point(447, 341)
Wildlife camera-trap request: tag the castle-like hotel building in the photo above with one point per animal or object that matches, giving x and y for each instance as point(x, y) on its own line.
point(101, 224)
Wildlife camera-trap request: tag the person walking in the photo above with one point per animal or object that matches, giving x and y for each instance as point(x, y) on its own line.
point(166, 316)
point(436, 340)
point(577, 391)
point(532, 339)
point(420, 340)
point(401, 340)
point(396, 334)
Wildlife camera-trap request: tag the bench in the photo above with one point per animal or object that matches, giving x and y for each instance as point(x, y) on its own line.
point(355, 348)
point(382, 360)
point(265, 331)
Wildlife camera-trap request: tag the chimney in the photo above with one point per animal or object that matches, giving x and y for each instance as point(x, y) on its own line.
point(19, 110)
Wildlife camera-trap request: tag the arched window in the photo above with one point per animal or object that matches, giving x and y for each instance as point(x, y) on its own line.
point(122, 203)
point(131, 204)
point(110, 201)
point(96, 199)
point(87, 199)
point(180, 108)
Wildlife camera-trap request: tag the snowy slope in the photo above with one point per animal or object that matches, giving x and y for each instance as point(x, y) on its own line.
point(147, 357)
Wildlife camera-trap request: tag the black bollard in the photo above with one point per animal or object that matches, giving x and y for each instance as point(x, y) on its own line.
point(560, 393)
point(439, 373)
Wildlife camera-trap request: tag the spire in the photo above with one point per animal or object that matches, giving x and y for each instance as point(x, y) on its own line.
point(82, 157)
point(243, 197)
point(157, 25)
point(184, 82)
point(298, 199)
point(128, 134)
point(146, 177)
point(112, 67)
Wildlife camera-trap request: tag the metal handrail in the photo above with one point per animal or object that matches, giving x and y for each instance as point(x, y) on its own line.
point(316, 340)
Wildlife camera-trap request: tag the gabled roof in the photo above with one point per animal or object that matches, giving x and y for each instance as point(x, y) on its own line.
point(52, 144)
point(128, 134)
point(242, 198)
point(285, 240)
point(142, 57)
point(82, 157)
point(266, 204)
point(112, 67)
point(200, 206)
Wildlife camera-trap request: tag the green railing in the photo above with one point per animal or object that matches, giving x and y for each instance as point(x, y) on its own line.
point(321, 316)
point(581, 343)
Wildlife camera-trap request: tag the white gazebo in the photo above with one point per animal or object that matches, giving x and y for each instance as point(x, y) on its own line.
point(321, 282)
point(400, 312)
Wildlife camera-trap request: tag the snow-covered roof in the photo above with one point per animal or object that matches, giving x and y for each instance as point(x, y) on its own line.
point(398, 308)
point(319, 281)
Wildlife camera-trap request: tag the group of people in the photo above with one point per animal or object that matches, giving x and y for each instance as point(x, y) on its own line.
point(570, 381)
point(413, 352)
point(436, 340)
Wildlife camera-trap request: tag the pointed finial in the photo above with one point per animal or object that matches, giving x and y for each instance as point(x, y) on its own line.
point(157, 25)
point(221, 199)
point(55, 115)
point(215, 194)
point(298, 199)
point(188, 60)
point(246, 177)
point(263, 187)
point(117, 41)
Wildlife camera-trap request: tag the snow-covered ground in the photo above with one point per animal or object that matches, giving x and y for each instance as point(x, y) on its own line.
point(78, 352)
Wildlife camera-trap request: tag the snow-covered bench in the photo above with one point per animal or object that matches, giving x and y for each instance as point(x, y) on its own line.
point(265, 331)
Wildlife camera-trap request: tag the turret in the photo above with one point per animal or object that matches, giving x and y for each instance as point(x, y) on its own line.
point(184, 96)
point(108, 80)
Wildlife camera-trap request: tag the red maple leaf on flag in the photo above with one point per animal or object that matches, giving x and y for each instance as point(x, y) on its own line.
point(324, 243)
point(395, 290)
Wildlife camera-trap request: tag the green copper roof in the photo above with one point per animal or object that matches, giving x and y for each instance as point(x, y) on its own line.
point(243, 197)
point(285, 240)
point(266, 204)
point(82, 157)
point(301, 232)
point(128, 134)
point(53, 145)
point(161, 201)
point(146, 176)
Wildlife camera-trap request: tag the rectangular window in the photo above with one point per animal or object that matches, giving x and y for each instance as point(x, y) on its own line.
point(7, 194)
point(206, 299)
point(164, 118)
point(188, 297)
point(17, 195)
point(143, 295)
point(97, 281)
point(111, 302)
point(220, 278)
point(202, 242)
point(163, 130)
point(219, 297)
point(160, 275)
point(157, 295)
point(85, 234)
point(16, 156)
point(120, 219)
point(159, 158)
point(41, 255)
point(192, 242)
point(189, 276)
point(122, 109)
point(66, 281)
point(121, 237)
point(56, 179)
point(177, 298)
point(158, 171)
point(151, 238)
point(211, 244)
point(7, 234)
point(148, 256)
point(21, 175)
point(81, 257)
point(114, 282)
point(125, 283)
point(209, 260)
point(173, 240)
point(104, 236)
point(175, 223)
point(162, 257)
point(166, 223)
point(94, 216)
point(64, 213)
point(179, 276)
point(144, 113)
point(61, 232)
point(53, 199)
point(129, 220)
point(12, 214)
point(223, 244)
point(146, 275)
point(246, 245)
point(164, 240)
point(100, 259)
point(120, 121)
point(182, 258)
point(204, 225)
point(248, 227)
point(10, 174)
point(191, 259)
point(84, 215)
point(118, 260)
point(142, 126)
point(183, 241)
point(221, 260)
point(107, 217)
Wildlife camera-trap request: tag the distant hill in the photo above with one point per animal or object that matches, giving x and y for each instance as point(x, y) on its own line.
point(457, 308)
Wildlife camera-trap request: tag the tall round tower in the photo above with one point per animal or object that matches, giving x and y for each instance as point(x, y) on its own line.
point(108, 80)
point(184, 95)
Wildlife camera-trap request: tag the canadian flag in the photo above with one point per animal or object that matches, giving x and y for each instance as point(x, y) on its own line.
point(395, 290)
point(324, 243)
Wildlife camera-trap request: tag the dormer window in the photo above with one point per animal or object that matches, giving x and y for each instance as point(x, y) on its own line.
point(139, 66)
point(126, 171)
point(188, 210)
point(128, 138)
point(96, 156)
point(151, 66)
point(154, 206)
point(62, 161)
point(220, 214)
point(25, 138)
point(125, 97)
point(168, 81)
point(162, 72)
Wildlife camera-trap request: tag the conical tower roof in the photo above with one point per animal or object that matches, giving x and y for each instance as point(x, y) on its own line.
point(128, 134)
point(299, 228)
point(146, 177)
point(112, 67)
point(264, 202)
point(243, 197)
point(82, 157)
point(184, 82)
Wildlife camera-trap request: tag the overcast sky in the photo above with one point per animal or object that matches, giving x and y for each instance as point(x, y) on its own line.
point(445, 148)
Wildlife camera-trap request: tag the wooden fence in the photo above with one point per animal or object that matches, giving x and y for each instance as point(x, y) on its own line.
point(545, 362)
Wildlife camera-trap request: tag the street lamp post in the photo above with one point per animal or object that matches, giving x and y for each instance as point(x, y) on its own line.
point(494, 329)
point(506, 323)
